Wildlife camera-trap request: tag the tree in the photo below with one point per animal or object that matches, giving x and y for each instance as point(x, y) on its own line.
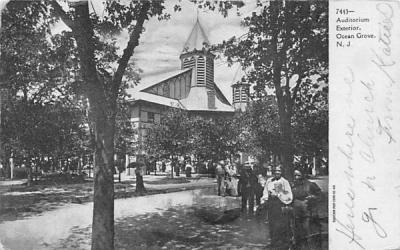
point(218, 137)
point(286, 45)
point(103, 93)
point(37, 99)
point(310, 121)
point(124, 136)
point(181, 133)
point(172, 136)
point(262, 128)
point(99, 81)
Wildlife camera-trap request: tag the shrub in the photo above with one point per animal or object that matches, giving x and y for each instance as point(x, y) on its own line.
point(21, 173)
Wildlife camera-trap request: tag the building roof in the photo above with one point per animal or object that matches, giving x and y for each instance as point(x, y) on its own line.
point(197, 100)
point(151, 80)
point(137, 93)
point(157, 99)
point(197, 39)
point(198, 97)
point(238, 77)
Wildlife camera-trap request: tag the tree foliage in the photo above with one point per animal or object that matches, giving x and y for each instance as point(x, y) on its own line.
point(86, 61)
point(181, 134)
point(262, 128)
point(285, 48)
point(41, 116)
point(172, 136)
point(310, 121)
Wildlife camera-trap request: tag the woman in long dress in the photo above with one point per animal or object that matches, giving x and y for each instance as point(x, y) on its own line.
point(231, 180)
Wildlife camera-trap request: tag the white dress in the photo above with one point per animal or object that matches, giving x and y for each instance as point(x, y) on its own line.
point(280, 188)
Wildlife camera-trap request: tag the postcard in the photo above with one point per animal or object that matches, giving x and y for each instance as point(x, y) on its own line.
point(194, 124)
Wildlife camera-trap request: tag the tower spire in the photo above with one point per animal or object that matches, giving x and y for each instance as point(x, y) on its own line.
point(196, 55)
point(197, 38)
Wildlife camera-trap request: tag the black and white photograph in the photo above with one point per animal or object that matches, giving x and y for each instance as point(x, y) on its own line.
point(182, 124)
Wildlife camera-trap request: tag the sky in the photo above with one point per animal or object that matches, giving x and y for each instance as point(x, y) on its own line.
point(162, 41)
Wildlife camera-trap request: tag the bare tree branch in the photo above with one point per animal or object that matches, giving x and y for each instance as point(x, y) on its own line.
point(296, 88)
point(132, 43)
point(62, 14)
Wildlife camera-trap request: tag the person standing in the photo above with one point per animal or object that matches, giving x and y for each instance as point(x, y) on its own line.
point(305, 195)
point(248, 185)
point(233, 181)
point(220, 173)
point(188, 168)
point(262, 180)
point(163, 166)
point(259, 185)
point(139, 172)
point(278, 194)
point(177, 167)
point(210, 171)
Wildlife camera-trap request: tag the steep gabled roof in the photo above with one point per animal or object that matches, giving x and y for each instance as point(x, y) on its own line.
point(197, 100)
point(197, 39)
point(137, 93)
point(151, 80)
point(220, 95)
point(238, 77)
point(161, 100)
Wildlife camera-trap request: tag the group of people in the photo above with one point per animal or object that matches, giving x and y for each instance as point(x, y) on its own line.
point(266, 192)
point(227, 178)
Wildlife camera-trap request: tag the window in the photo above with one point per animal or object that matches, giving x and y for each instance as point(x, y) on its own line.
point(150, 117)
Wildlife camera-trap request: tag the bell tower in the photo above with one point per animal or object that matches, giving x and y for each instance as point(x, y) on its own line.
point(196, 55)
point(240, 91)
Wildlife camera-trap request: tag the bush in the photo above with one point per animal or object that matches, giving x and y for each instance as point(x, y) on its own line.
point(21, 173)
point(62, 178)
point(202, 169)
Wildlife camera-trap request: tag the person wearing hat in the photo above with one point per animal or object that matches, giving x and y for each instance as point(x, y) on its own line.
point(278, 194)
point(305, 195)
point(248, 184)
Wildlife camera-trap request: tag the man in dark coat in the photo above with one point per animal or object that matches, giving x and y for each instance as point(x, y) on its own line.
point(248, 186)
point(305, 196)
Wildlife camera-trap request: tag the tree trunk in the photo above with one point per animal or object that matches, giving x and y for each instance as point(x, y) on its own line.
point(139, 171)
point(139, 183)
point(103, 106)
point(36, 172)
point(103, 199)
point(283, 99)
point(287, 147)
point(29, 173)
point(80, 165)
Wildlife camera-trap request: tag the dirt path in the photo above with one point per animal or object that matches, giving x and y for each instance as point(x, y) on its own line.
point(19, 201)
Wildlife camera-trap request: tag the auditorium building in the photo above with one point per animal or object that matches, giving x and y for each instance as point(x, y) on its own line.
point(191, 88)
